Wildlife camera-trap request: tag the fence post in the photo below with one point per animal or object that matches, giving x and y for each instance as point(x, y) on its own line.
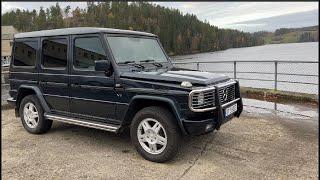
point(235, 69)
point(197, 66)
point(275, 75)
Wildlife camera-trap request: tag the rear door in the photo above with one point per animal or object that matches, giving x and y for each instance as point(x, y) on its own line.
point(92, 93)
point(23, 68)
point(53, 76)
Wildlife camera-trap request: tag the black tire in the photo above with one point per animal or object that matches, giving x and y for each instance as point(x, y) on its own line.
point(168, 122)
point(43, 124)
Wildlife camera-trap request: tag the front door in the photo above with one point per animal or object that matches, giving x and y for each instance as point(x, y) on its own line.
point(92, 94)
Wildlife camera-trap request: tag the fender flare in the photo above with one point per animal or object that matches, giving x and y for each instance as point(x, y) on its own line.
point(168, 101)
point(38, 93)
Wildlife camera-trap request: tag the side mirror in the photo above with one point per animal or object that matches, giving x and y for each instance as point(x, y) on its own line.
point(102, 65)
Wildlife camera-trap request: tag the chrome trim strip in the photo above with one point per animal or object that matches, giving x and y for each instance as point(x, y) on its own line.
point(22, 80)
point(92, 87)
point(95, 100)
point(85, 99)
point(53, 83)
point(81, 123)
point(226, 104)
point(55, 95)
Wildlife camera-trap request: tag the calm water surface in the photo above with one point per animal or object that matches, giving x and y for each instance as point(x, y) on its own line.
point(291, 51)
point(281, 52)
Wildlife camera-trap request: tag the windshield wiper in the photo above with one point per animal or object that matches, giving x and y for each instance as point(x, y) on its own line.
point(153, 62)
point(132, 63)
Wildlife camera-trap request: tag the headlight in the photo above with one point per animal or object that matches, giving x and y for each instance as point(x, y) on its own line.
point(200, 98)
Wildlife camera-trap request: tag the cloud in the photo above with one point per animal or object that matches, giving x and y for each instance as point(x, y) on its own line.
point(221, 14)
point(300, 19)
point(224, 13)
point(8, 6)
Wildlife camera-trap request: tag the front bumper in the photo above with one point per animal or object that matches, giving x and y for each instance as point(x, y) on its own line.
point(204, 126)
point(208, 125)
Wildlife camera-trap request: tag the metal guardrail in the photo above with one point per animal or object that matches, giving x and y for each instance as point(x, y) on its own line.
point(275, 71)
point(5, 61)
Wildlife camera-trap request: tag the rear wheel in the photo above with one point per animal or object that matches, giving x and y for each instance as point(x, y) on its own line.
point(32, 116)
point(155, 134)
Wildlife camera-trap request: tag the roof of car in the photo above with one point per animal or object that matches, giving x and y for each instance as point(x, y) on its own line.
point(78, 30)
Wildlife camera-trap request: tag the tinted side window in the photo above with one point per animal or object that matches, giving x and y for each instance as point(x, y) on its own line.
point(25, 53)
point(54, 53)
point(87, 50)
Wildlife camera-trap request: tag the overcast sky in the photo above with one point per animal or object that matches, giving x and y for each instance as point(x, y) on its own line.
point(246, 16)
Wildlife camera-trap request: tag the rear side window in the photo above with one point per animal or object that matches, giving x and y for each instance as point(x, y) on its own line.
point(87, 50)
point(25, 53)
point(54, 53)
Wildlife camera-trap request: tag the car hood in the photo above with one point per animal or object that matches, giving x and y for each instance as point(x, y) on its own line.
point(177, 76)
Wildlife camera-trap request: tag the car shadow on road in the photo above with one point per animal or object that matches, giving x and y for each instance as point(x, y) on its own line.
point(189, 145)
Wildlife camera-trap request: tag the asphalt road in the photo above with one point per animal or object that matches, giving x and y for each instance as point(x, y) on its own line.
point(245, 148)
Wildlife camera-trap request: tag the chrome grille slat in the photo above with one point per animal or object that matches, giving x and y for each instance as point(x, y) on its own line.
point(204, 104)
point(209, 99)
point(205, 99)
point(230, 94)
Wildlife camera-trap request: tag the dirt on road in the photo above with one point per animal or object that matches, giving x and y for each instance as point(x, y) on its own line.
point(245, 148)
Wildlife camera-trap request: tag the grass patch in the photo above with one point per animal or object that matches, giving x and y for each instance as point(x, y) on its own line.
point(279, 96)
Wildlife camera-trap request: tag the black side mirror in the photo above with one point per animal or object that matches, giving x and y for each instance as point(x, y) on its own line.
point(102, 65)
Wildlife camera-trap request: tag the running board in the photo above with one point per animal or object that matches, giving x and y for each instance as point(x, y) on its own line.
point(82, 122)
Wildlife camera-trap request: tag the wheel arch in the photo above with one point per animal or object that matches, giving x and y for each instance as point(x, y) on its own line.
point(139, 102)
point(25, 90)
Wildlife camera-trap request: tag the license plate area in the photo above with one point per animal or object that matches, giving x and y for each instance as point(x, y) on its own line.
point(230, 110)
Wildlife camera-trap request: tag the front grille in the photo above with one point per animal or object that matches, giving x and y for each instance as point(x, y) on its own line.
point(209, 100)
point(227, 94)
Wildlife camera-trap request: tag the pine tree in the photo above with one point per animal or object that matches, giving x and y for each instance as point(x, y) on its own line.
point(179, 34)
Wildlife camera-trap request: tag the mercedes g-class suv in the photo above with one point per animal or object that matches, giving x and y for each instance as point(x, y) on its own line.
point(110, 79)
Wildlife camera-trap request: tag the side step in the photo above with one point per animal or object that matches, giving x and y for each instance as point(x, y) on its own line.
point(82, 122)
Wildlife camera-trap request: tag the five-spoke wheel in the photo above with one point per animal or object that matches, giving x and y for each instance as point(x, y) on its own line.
point(152, 136)
point(155, 134)
point(30, 114)
point(32, 117)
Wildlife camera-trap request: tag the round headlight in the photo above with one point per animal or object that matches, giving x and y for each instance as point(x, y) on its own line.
point(201, 98)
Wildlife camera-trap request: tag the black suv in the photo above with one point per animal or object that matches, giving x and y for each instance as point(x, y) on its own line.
point(110, 79)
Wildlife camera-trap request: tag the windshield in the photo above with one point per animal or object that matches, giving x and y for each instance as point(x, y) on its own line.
point(136, 49)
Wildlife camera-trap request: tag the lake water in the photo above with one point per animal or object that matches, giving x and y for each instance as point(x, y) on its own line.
point(272, 52)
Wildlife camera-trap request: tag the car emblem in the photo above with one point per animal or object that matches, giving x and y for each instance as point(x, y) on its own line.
point(225, 94)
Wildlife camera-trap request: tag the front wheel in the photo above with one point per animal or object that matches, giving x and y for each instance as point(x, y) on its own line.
point(155, 134)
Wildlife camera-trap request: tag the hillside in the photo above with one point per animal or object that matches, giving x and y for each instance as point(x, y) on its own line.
point(179, 34)
point(290, 35)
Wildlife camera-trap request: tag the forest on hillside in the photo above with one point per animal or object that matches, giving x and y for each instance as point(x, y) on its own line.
point(179, 34)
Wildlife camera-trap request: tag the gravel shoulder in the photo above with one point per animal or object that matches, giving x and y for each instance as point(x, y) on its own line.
point(245, 148)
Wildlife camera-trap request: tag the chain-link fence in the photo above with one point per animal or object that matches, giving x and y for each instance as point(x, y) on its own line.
point(293, 76)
